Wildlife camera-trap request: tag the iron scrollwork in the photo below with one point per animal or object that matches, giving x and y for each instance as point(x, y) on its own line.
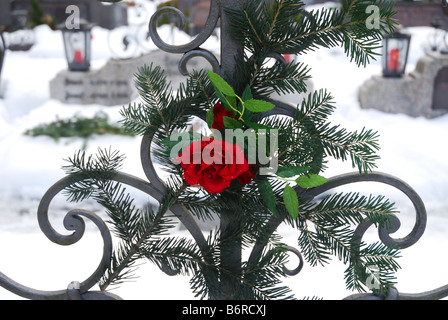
point(156, 188)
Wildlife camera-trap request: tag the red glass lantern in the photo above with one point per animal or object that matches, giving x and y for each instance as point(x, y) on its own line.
point(395, 54)
point(78, 46)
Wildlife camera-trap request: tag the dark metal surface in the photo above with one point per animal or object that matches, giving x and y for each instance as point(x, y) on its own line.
point(440, 94)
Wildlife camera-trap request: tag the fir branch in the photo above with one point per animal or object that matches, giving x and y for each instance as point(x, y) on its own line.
point(360, 147)
point(131, 119)
point(115, 274)
point(349, 208)
point(372, 268)
point(122, 267)
point(321, 28)
point(314, 250)
point(162, 112)
point(198, 78)
point(249, 20)
point(276, 14)
point(180, 255)
point(331, 218)
point(145, 228)
point(281, 79)
point(199, 204)
point(153, 89)
point(138, 230)
point(316, 107)
point(337, 239)
point(262, 282)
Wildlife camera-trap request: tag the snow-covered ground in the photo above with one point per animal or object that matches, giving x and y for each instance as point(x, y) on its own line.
point(413, 149)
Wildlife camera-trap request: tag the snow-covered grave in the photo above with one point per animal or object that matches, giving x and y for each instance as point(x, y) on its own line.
point(412, 149)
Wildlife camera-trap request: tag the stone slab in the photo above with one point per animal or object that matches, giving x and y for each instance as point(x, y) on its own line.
point(411, 94)
point(114, 83)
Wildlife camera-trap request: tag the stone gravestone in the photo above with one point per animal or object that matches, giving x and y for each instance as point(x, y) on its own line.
point(419, 93)
point(114, 83)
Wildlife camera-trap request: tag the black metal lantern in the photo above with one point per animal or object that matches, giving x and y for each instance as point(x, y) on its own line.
point(395, 54)
point(2, 53)
point(77, 46)
point(21, 38)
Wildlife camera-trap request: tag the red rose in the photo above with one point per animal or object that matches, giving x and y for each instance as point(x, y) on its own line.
point(213, 164)
point(219, 113)
point(247, 176)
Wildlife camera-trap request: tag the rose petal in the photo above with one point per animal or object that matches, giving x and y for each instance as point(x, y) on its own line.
point(213, 164)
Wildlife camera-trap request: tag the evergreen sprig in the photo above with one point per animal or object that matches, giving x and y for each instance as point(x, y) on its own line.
point(288, 29)
point(261, 280)
point(161, 111)
point(308, 138)
point(143, 233)
point(78, 126)
point(327, 232)
point(372, 268)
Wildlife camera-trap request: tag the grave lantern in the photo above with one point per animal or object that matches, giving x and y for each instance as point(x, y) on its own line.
point(21, 38)
point(77, 45)
point(395, 54)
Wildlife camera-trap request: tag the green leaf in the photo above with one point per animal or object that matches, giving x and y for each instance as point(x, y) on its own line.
point(247, 115)
point(220, 84)
point(210, 117)
point(258, 105)
point(311, 181)
point(267, 194)
point(168, 142)
point(291, 201)
point(257, 126)
point(225, 103)
point(232, 101)
point(231, 123)
point(247, 94)
point(291, 171)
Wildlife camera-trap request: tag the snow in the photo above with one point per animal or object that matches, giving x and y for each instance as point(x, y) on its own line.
point(413, 149)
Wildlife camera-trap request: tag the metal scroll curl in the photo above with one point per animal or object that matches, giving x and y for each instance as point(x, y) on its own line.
point(73, 221)
point(210, 25)
point(297, 270)
point(207, 55)
point(384, 233)
point(190, 49)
